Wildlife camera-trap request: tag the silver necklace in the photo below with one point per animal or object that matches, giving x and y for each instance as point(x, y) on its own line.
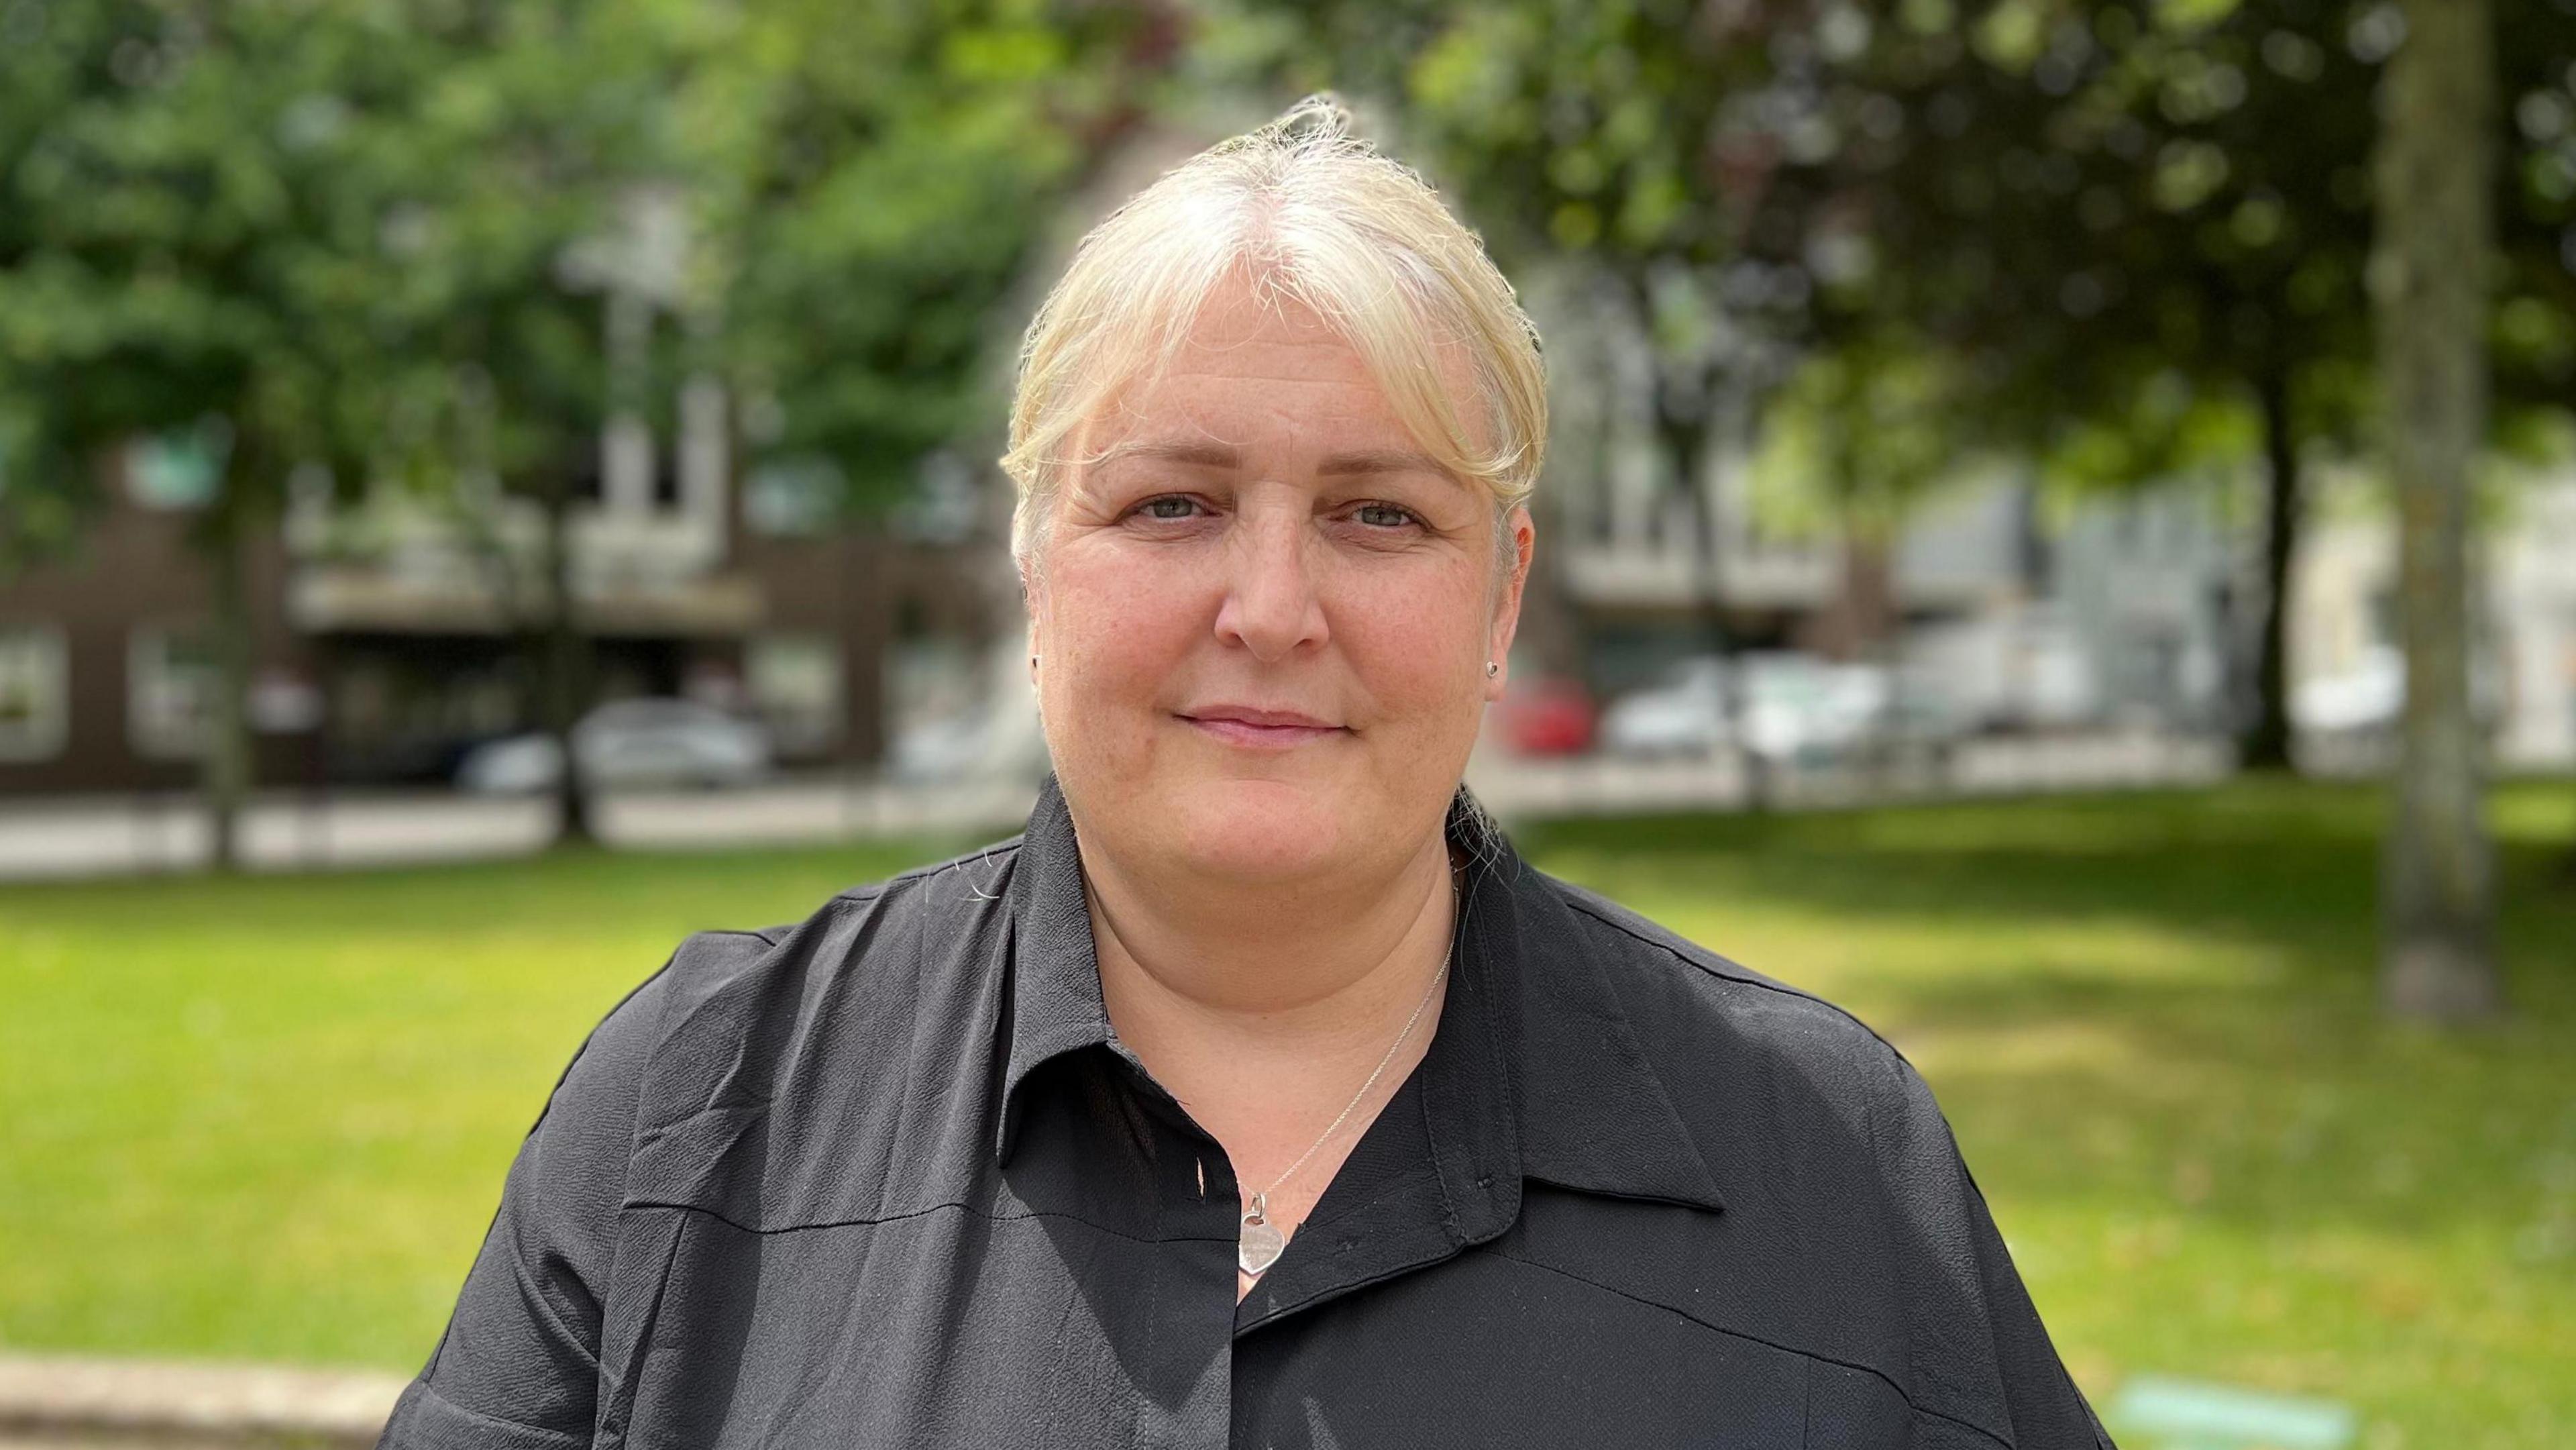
point(1260, 1243)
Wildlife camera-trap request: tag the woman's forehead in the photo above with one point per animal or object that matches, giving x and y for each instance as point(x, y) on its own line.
point(1227, 424)
point(1257, 371)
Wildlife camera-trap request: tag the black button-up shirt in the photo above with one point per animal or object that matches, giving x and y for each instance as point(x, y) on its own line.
point(887, 1177)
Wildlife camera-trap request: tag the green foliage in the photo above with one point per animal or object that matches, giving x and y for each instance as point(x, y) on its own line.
point(387, 235)
point(2113, 215)
point(1853, 436)
point(882, 173)
point(2534, 341)
point(188, 206)
point(536, 209)
point(2170, 199)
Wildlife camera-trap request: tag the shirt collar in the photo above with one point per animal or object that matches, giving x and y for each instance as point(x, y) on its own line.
point(1593, 1111)
point(1055, 1001)
point(1535, 1073)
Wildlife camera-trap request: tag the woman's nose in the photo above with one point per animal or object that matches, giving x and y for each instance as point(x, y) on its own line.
point(1271, 606)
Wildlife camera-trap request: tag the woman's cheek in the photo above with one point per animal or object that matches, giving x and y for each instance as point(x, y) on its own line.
point(1413, 646)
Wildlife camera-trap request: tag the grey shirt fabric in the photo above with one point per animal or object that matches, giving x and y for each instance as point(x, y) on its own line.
point(886, 1177)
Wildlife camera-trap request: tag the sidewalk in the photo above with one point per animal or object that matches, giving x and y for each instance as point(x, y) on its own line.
point(306, 831)
point(126, 835)
point(50, 1403)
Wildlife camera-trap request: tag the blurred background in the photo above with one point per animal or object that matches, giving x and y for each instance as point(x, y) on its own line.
point(2060, 535)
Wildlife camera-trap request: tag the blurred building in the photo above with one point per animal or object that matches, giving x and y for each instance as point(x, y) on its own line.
point(2129, 610)
point(391, 636)
point(1995, 613)
point(2344, 625)
point(1999, 608)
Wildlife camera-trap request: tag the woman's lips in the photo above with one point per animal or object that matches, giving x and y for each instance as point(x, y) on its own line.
point(1262, 730)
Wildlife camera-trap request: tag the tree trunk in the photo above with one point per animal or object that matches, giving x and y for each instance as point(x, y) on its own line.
point(1685, 438)
point(1865, 618)
point(2436, 236)
point(226, 767)
point(2265, 744)
point(561, 670)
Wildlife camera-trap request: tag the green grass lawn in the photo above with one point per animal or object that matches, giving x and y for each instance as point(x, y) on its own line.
point(268, 1118)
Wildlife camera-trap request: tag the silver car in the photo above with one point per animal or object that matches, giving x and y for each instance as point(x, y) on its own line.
point(656, 741)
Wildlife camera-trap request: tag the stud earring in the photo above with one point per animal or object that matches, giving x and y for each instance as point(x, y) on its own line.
point(1492, 669)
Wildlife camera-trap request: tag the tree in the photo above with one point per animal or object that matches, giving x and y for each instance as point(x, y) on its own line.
point(2436, 208)
point(887, 171)
point(542, 236)
point(2103, 204)
point(189, 205)
point(2131, 221)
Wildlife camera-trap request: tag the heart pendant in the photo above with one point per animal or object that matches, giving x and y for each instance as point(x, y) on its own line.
point(1258, 1246)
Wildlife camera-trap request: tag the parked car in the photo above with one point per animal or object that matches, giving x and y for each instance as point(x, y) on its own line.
point(2367, 697)
point(1792, 707)
point(2020, 671)
point(654, 741)
point(1683, 712)
point(982, 742)
point(2364, 705)
point(1545, 715)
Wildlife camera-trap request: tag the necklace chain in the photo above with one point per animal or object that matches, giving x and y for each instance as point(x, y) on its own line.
point(1261, 1198)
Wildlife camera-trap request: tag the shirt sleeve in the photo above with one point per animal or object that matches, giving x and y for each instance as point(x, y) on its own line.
point(1981, 1353)
point(518, 1365)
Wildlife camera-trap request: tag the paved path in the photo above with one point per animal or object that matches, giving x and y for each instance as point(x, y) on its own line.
point(61, 1403)
point(126, 835)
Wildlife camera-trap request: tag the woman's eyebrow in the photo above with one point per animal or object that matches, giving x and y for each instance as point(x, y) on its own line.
point(1201, 453)
point(1205, 453)
point(1380, 460)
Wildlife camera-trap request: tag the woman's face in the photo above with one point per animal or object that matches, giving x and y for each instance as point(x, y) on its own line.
point(1263, 616)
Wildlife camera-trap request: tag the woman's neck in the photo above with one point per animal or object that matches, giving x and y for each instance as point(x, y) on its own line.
point(1286, 998)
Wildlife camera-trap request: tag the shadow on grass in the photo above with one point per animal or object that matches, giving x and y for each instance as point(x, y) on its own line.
point(2288, 870)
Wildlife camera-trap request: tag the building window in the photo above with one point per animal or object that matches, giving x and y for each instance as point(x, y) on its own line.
point(170, 692)
point(795, 684)
point(178, 470)
point(35, 692)
point(792, 499)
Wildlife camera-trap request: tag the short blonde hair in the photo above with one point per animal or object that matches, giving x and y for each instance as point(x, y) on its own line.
point(1311, 215)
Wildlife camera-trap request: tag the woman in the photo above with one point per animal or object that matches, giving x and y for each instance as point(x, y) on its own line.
point(1258, 1095)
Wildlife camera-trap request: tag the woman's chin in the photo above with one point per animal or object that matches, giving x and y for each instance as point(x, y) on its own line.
point(1265, 829)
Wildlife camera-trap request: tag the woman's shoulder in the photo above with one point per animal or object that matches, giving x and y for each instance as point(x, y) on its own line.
point(1715, 992)
point(1839, 1168)
point(1716, 1029)
point(715, 1074)
point(725, 1012)
point(861, 929)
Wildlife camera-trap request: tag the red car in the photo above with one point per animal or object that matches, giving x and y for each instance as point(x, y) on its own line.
point(1549, 715)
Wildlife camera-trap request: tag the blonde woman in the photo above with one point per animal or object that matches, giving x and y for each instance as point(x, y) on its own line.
point(1258, 1095)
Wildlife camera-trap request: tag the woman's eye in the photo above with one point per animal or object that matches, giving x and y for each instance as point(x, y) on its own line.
point(1383, 516)
point(1170, 506)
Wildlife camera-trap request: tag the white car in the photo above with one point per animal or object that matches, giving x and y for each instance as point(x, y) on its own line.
point(628, 743)
point(2369, 696)
point(986, 742)
point(1792, 706)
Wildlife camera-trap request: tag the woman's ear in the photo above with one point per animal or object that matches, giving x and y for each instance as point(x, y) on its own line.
point(1033, 601)
point(1507, 600)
